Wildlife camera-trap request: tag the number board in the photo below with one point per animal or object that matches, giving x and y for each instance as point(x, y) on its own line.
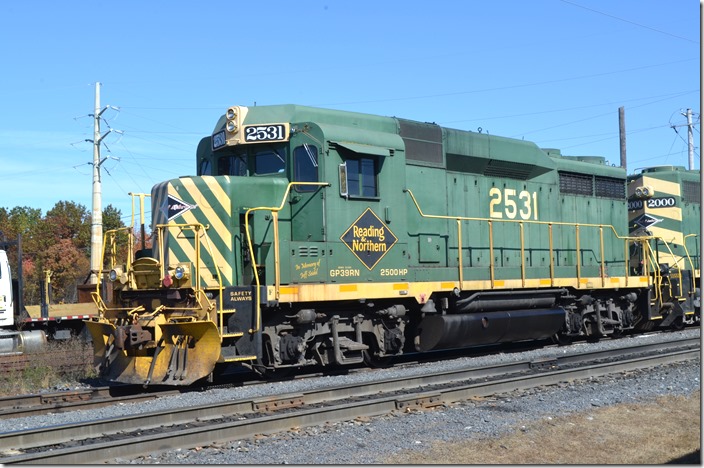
point(266, 132)
point(218, 140)
point(658, 202)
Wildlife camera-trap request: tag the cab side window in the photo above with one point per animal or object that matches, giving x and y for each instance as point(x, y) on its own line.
point(205, 167)
point(361, 177)
point(305, 167)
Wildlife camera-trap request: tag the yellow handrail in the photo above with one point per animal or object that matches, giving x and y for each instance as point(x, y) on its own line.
point(275, 219)
point(459, 250)
point(684, 244)
point(656, 268)
point(521, 224)
point(128, 263)
point(141, 197)
point(196, 227)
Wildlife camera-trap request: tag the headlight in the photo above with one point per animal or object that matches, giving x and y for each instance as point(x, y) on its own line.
point(231, 113)
point(113, 275)
point(179, 273)
point(645, 191)
point(231, 126)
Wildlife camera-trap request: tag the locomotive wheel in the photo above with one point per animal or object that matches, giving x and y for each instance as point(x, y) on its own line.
point(266, 368)
point(372, 359)
point(561, 340)
point(678, 324)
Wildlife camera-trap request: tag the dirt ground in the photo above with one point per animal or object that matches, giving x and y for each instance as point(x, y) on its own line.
point(665, 431)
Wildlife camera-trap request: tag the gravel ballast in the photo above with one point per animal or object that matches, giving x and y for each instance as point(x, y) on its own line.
point(371, 440)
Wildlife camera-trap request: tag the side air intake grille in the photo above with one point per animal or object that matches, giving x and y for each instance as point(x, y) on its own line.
point(423, 142)
point(577, 184)
point(609, 187)
point(307, 251)
point(508, 169)
point(583, 184)
point(691, 192)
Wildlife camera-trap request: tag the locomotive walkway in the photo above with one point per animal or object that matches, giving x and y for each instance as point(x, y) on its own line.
point(123, 437)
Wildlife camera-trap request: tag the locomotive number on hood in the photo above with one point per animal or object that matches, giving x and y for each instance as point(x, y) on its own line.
point(508, 204)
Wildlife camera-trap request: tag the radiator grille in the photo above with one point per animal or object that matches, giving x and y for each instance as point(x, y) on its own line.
point(691, 191)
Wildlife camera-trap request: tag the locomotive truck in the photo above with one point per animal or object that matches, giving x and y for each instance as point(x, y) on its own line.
point(321, 237)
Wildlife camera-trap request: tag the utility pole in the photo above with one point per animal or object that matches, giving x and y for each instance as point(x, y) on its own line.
point(622, 136)
point(96, 226)
point(690, 139)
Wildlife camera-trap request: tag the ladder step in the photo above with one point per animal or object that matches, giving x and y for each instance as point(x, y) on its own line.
point(232, 335)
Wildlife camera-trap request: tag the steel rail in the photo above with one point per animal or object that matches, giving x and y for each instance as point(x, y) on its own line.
point(221, 431)
point(62, 402)
point(84, 399)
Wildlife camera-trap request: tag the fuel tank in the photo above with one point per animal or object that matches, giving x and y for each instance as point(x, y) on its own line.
point(482, 328)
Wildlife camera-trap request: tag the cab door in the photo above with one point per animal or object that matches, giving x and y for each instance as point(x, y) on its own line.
point(306, 202)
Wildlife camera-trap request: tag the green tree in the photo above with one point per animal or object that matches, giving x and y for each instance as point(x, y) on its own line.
point(24, 221)
point(61, 244)
point(112, 218)
point(58, 241)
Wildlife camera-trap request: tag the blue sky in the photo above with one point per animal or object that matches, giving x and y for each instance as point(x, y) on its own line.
point(551, 71)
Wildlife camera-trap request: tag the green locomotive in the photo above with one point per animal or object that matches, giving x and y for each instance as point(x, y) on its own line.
point(664, 203)
point(322, 237)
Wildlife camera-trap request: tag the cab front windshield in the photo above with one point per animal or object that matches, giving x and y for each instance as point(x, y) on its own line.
point(253, 160)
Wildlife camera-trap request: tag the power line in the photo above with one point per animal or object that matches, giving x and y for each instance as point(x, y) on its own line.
point(630, 22)
point(565, 109)
point(503, 88)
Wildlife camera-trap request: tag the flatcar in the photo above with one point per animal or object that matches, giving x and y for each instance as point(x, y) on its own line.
point(30, 328)
point(320, 237)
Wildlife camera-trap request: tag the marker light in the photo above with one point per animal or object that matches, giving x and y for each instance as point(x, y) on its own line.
point(179, 273)
point(112, 275)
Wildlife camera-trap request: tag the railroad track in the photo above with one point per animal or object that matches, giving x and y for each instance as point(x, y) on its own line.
point(21, 406)
point(35, 404)
point(126, 437)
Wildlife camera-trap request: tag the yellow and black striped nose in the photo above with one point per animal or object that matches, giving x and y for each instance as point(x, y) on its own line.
point(194, 215)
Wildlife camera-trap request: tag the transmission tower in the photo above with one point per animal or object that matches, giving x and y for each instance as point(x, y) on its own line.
point(96, 223)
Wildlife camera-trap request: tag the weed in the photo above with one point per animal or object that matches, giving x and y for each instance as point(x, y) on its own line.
point(60, 364)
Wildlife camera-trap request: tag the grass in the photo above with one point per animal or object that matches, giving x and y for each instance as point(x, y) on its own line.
point(61, 364)
point(655, 432)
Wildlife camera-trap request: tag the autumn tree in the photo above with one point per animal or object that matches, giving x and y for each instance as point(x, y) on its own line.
point(23, 221)
point(58, 241)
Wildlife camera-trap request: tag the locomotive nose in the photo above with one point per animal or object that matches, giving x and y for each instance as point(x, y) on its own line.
point(184, 353)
